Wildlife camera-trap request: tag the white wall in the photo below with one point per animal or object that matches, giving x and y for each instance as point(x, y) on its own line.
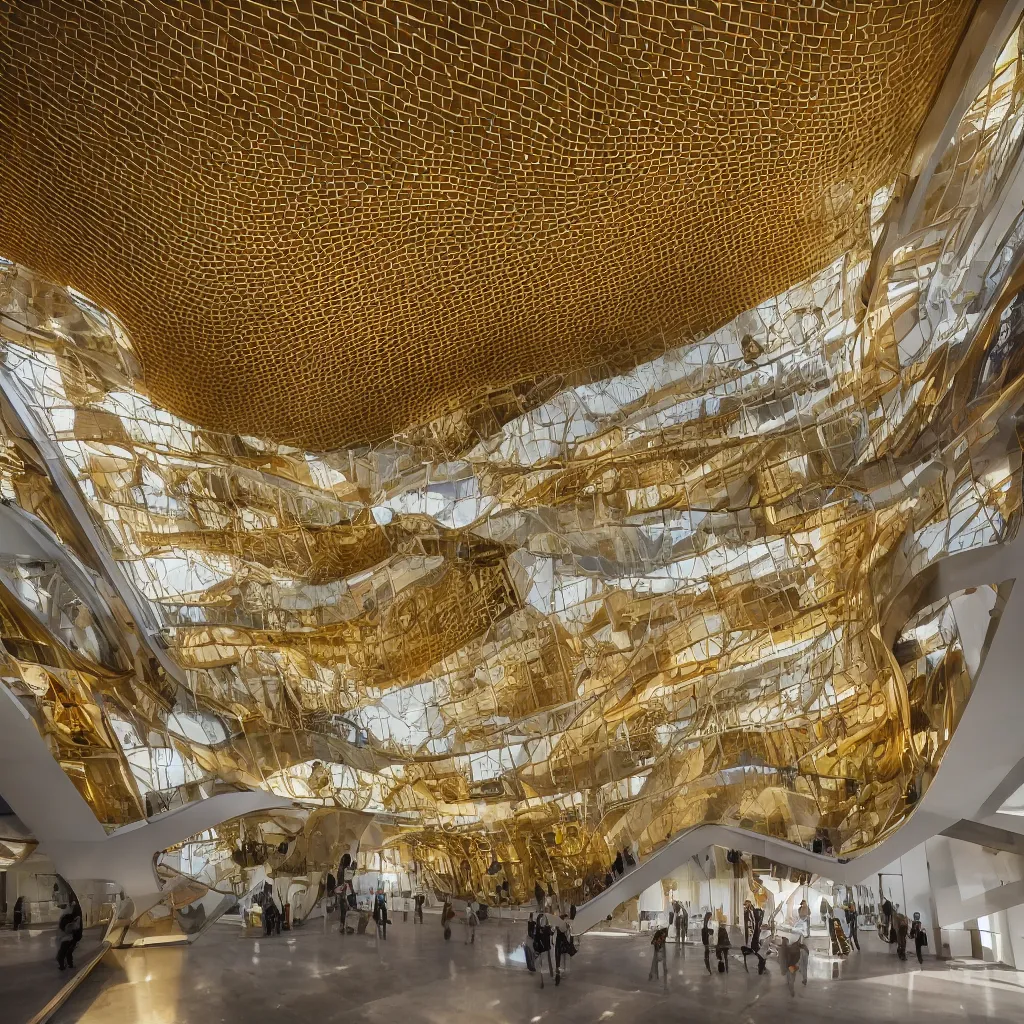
point(939, 877)
point(35, 883)
point(1015, 937)
point(907, 881)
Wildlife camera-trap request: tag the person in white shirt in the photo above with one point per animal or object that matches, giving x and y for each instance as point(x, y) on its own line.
point(469, 924)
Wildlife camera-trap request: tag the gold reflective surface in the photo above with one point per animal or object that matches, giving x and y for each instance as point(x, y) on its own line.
point(518, 639)
point(301, 212)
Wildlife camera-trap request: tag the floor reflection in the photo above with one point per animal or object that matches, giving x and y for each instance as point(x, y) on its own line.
point(415, 976)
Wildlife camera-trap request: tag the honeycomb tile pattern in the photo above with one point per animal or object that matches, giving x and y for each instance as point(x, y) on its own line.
point(325, 222)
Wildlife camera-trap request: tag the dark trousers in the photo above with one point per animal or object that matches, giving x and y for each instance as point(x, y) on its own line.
point(342, 914)
point(707, 958)
point(418, 914)
point(560, 954)
point(918, 945)
point(66, 952)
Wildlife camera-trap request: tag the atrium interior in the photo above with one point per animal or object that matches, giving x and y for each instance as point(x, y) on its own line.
point(511, 510)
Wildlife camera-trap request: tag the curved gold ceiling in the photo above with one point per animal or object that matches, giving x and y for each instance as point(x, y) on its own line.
point(326, 222)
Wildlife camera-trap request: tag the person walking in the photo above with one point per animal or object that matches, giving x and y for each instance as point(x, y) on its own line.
point(804, 913)
point(380, 914)
point(851, 923)
point(417, 914)
point(748, 921)
point(531, 931)
point(271, 916)
point(754, 945)
point(902, 929)
point(682, 922)
point(793, 957)
point(617, 864)
point(887, 926)
point(342, 906)
point(19, 913)
point(659, 947)
point(565, 947)
point(69, 934)
point(919, 935)
point(447, 914)
point(706, 932)
point(469, 925)
point(722, 948)
point(542, 944)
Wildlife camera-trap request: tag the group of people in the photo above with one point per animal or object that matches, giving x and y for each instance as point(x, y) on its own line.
point(680, 917)
point(793, 955)
point(721, 945)
point(543, 932)
point(840, 941)
point(448, 915)
point(895, 929)
point(624, 861)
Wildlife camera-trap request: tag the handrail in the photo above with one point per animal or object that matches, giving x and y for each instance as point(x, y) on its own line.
point(962, 782)
point(65, 992)
point(680, 849)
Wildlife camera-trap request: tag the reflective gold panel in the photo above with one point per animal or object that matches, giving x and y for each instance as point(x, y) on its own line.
point(544, 624)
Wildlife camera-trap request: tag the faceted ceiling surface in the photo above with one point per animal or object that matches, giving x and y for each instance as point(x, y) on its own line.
point(302, 212)
point(546, 622)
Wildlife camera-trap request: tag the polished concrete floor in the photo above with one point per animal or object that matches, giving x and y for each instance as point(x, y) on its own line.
point(29, 976)
point(310, 975)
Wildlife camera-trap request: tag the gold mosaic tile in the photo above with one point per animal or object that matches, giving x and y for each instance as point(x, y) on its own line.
point(562, 617)
point(325, 221)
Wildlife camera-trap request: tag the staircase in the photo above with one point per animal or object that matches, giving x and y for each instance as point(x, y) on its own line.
point(679, 850)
